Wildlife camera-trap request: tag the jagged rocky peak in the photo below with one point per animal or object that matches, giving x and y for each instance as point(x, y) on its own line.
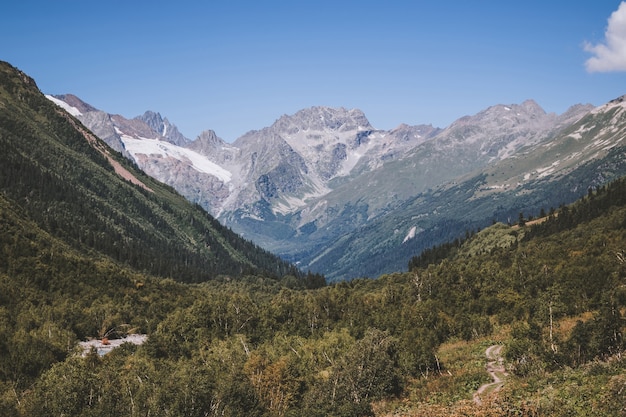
point(154, 120)
point(578, 109)
point(532, 106)
point(163, 127)
point(418, 133)
point(207, 143)
point(617, 102)
point(135, 128)
point(209, 137)
point(503, 116)
point(527, 109)
point(573, 114)
point(321, 119)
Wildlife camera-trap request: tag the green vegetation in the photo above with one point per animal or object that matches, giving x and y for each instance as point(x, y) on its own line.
point(411, 343)
point(260, 339)
point(64, 180)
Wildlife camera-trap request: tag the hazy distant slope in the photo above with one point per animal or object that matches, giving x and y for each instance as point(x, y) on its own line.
point(556, 171)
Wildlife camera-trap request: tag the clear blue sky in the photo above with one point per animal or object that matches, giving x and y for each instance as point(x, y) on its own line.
point(233, 66)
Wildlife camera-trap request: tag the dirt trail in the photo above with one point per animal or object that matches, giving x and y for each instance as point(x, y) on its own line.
point(496, 369)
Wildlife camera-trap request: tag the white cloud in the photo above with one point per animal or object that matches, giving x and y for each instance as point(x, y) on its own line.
point(610, 55)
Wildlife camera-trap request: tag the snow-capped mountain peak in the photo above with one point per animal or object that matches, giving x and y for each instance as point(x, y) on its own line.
point(619, 102)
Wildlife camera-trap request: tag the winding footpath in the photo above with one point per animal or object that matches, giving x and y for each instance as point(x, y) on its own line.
point(495, 368)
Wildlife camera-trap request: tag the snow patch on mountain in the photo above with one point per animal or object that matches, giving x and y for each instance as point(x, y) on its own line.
point(618, 102)
point(410, 235)
point(350, 162)
point(290, 204)
point(549, 170)
point(155, 147)
point(70, 109)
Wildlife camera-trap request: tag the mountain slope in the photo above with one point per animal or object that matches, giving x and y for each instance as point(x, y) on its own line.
point(76, 188)
point(556, 171)
point(326, 190)
point(336, 225)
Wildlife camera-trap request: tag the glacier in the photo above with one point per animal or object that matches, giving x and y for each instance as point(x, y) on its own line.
point(156, 147)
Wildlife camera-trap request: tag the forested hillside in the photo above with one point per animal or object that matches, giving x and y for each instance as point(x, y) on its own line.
point(76, 188)
point(408, 344)
point(256, 341)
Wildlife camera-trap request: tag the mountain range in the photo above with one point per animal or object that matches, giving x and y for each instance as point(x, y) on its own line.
point(324, 189)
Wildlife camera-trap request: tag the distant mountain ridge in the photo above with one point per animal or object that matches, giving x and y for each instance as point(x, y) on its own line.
point(315, 180)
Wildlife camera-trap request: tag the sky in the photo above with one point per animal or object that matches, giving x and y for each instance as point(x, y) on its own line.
point(240, 65)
